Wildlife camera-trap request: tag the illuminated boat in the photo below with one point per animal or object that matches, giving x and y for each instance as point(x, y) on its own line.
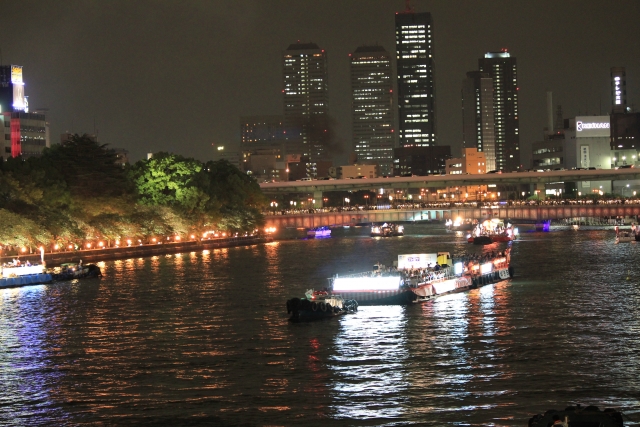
point(37, 274)
point(319, 305)
point(492, 231)
point(319, 232)
point(387, 230)
point(421, 277)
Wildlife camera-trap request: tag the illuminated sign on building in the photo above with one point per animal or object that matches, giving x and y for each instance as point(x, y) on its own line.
point(584, 156)
point(16, 75)
point(592, 126)
point(617, 90)
point(580, 126)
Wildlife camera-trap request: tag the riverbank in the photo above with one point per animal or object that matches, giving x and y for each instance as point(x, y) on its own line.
point(53, 259)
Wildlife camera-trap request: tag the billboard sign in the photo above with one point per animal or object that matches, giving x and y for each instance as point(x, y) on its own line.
point(415, 261)
point(593, 126)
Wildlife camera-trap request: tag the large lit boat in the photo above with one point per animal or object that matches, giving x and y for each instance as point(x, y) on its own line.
point(13, 276)
point(387, 230)
point(492, 231)
point(319, 305)
point(422, 277)
point(318, 232)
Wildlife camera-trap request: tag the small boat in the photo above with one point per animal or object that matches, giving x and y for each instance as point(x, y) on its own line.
point(15, 276)
point(579, 416)
point(318, 232)
point(319, 305)
point(575, 226)
point(625, 236)
point(387, 230)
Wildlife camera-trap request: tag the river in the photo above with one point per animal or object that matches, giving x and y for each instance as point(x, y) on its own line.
point(203, 339)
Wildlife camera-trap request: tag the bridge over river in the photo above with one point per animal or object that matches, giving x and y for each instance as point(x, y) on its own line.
point(533, 213)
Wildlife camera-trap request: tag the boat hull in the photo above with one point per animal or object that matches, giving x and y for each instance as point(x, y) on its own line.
point(395, 297)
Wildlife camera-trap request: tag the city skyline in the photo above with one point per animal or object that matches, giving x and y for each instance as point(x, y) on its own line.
point(124, 69)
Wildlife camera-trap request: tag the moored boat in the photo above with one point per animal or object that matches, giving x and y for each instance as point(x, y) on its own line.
point(317, 232)
point(319, 305)
point(14, 276)
point(386, 230)
point(626, 235)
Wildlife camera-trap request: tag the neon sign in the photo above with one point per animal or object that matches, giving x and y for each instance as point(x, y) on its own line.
point(618, 92)
point(580, 126)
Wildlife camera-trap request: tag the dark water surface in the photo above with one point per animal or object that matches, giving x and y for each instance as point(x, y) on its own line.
point(203, 339)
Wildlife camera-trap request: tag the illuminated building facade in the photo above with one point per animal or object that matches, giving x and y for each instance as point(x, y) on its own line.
point(501, 66)
point(471, 162)
point(416, 79)
point(478, 127)
point(261, 132)
point(372, 107)
point(306, 107)
point(24, 134)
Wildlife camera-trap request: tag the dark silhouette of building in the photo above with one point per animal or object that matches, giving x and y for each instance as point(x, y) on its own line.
point(421, 161)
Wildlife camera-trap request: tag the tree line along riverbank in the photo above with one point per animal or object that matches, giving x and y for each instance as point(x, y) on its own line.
point(78, 194)
point(53, 259)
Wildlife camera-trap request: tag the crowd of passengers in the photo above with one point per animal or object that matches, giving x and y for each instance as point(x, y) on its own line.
point(437, 271)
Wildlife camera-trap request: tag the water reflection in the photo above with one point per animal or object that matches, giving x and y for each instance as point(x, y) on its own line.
point(370, 364)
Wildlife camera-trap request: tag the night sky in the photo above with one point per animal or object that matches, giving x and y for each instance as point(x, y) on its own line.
point(176, 75)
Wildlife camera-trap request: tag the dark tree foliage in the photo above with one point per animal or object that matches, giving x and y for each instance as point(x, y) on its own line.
point(234, 195)
point(88, 168)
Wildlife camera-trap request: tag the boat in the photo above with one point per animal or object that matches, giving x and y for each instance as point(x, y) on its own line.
point(492, 231)
point(421, 277)
point(625, 236)
point(387, 230)
point(578, 416)
point(23, 275)
point(318, 232)
point(319, 305)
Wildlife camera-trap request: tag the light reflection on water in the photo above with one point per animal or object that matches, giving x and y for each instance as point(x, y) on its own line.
point(203, 338)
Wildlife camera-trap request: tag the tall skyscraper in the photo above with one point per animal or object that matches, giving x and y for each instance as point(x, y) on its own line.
point(416, 79)
point(372, 108)
point(306, 96)
point(618, 90)
point(478, 127)
point(501, 66)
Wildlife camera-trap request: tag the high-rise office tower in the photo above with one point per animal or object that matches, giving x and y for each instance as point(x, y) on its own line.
point(416, 79)
point(618, 90)
point(306, 96)
point(478, 127)
point(501, 66)
point(372, 108)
